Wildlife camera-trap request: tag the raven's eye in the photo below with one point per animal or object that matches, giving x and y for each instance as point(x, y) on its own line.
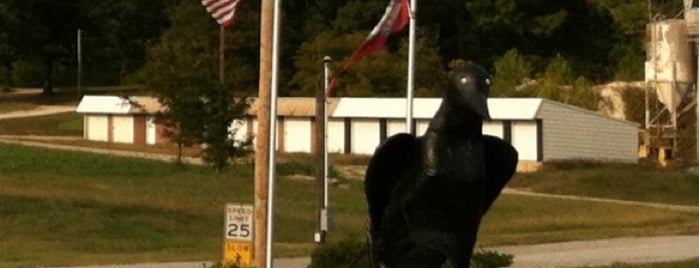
point(487, 81)
point(464, 80)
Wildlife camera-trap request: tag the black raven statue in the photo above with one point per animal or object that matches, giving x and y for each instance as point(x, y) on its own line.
point(427, 195)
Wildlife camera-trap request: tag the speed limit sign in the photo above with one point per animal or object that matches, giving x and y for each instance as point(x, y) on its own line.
point(239, 222)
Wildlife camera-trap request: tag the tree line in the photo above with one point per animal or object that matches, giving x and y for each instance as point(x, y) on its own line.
point(600, 40)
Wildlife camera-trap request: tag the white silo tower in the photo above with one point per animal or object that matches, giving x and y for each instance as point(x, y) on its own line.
point(669, 70)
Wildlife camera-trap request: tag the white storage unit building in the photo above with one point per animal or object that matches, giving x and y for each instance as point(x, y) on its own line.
point(539, 129)
point(119, 120)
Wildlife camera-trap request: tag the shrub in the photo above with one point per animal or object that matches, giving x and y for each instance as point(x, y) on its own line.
point(490, 259)
point(228, 265)
point(345, 254)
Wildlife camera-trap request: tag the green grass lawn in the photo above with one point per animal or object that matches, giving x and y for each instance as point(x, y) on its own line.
point(6, 107)
point(65, 208)
point(637, 182)
point(681, 264)
point(62, 124)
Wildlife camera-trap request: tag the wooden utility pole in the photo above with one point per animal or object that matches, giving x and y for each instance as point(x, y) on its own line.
point(263, 136)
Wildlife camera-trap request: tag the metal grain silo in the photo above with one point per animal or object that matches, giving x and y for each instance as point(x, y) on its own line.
point(691, 16)
point(669, 61)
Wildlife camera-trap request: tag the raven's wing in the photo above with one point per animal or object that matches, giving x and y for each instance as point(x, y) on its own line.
point(500, 164)
point(392, 162)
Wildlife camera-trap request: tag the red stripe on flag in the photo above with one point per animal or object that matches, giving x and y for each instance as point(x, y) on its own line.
point(396, 17)
point(221, 10)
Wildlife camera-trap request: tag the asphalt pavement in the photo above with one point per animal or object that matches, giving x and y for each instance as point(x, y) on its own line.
point(567, 254)
point(605, 252)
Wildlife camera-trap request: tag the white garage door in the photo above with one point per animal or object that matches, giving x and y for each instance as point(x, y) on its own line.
point(297, 135)
point(151, 131)
point(122, 127)
point(493, 128)
point(395, 126)
point(524, 139)
point(97, 128)
point(336, 136)
point(421, 127)
point(366, 136)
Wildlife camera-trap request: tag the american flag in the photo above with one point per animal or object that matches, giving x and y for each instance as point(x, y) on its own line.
point(222, 10)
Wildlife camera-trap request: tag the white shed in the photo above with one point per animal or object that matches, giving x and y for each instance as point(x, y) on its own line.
point(120, 120)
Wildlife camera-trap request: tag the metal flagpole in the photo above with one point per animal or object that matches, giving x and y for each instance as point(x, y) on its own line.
point(326, 194)
point(321, 150)
point(409, 128)
point(273, 133)
point(80, 62)
point(221, 55)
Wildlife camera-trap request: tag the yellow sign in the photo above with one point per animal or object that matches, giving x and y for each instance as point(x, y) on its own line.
point(237, 252)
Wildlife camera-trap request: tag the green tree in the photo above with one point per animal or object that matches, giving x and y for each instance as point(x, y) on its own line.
point(583, 95)
point(116, 34)
point(558, 83)
point(9, 43)
point(511, 70)
point(558, 73)
point(483, 30)
point(182, 72)
point(50, 27)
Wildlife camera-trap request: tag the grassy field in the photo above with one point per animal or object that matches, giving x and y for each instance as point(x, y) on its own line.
point(63, 208)
point(63, 124)
point(681, 264)
point(6, 107)
point(638, 182)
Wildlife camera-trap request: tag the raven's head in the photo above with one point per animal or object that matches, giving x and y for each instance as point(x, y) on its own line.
point(469, 87)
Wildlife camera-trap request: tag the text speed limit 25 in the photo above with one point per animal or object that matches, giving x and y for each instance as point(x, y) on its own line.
point(239, 222)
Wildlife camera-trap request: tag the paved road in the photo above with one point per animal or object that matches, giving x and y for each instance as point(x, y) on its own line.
point(301, 262)
point(605, 252)
point(567, 254)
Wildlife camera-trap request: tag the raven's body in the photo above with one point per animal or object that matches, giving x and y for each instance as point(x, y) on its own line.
point(427, 195)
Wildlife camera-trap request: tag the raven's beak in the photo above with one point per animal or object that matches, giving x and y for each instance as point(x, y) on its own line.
point(480, 106)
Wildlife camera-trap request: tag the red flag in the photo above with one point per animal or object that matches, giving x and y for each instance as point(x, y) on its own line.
point(222, 10)
point(396, 17)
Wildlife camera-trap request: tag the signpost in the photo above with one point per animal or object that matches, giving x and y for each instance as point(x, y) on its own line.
point(238, 234)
